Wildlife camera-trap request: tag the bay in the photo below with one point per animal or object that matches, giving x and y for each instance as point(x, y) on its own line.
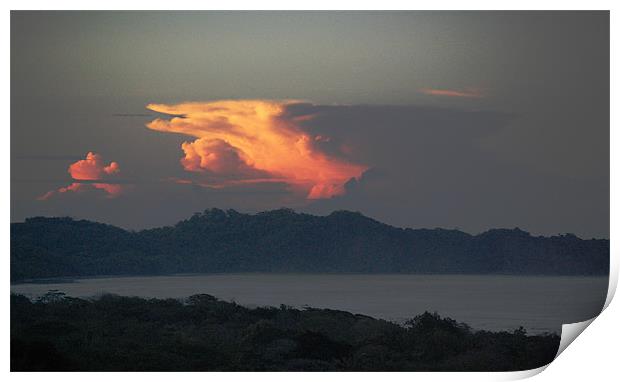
point(539, 304)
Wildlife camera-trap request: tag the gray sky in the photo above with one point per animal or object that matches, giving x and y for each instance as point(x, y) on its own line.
point(472, 120)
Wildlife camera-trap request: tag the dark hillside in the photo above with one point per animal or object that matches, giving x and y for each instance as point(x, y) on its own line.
point(115, 333)
point(286, 241)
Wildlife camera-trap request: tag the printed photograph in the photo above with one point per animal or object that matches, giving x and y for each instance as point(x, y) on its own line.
point(306, 190)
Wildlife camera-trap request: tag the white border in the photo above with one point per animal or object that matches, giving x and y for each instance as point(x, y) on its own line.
point(593, 355)
point(314, 5)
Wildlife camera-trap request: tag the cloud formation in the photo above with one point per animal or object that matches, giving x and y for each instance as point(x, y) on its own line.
point(254, 141)
point(462, 93)
point(92, 168)
point(214, 155)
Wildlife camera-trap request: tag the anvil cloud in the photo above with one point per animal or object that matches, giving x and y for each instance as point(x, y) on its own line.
point(254, 141)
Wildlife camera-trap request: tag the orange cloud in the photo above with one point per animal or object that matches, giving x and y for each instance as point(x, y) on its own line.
point(90, 168)
point(214, 155)
point(252, 141)
point(464, 93)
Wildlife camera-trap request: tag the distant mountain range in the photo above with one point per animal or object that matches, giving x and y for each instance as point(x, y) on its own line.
point(286, 241)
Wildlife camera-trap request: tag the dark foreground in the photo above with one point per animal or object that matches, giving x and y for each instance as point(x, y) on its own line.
point(115, 333)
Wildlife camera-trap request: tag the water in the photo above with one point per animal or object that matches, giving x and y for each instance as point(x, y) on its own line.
point(539, 304)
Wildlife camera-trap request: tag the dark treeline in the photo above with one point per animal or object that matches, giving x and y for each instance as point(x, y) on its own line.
point(285, 241)
point(113, 333)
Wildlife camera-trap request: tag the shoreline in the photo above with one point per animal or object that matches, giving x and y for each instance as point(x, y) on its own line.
point(73, 279)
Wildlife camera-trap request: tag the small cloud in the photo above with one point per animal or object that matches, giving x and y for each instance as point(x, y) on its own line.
point(47, 195)
point(462, 93)
point(90, 169)
point(320, 138)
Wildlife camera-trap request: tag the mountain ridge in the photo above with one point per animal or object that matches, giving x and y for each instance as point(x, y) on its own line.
point(287, 241)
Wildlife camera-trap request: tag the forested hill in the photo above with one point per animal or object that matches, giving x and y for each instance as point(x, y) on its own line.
point(202, 333)
point(286, 241)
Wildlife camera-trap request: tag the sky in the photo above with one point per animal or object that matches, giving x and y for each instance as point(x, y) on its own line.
point(467, 120)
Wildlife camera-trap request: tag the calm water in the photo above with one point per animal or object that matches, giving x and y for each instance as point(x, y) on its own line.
point(538, 304)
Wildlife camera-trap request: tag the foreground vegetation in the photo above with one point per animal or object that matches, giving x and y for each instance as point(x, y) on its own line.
point(202, 333)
